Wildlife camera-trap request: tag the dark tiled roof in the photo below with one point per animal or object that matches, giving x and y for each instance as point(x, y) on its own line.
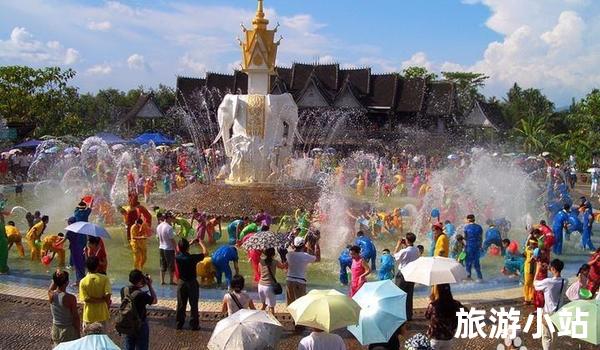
point(494, 114)
point(137, 107)
point(411, 94)
point(327, 74)
point(383, 90)
point(300, 74)
point(347, 86)
point(360, 79)
point(313, 79)
point(285, 74)
point(186, 86)
point(240, 82)
point(223, 82)
point(440, 100)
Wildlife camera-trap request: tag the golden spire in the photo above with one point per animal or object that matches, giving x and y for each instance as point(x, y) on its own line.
point(259, 49)
point(259, 20)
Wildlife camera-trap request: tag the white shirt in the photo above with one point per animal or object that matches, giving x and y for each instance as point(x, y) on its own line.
point(406, 255)
point(297, 263)
point(552, 292)
point(322, 341)
point(165, 234)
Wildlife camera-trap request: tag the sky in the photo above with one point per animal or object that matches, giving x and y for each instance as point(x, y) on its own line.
point(547, 44)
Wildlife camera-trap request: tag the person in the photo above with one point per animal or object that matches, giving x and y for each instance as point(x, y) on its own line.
point(95, 292)
point(458, 246)
point(34, 235)
point(404, 254)
point(140, 299)
point(236, 299)
point(54, 244)
point(320, 340)
point(77, 243)
point(582, 281)
point(594, 275)
point(148, 188)
point(513, 260)
point(297, 261)
point(138, 245)
point(66, 323)
point(441, 313)
point(492, 236)
point(529, 267)
point(386, 266)
point(37, 217)
point(588, 221)
point(29, 219)
point(234, 228)
point(167, 184)
point(82, 212)
point(14, 237)
point(441, 241)
point(473, 238)
point(449, 228)
point(188, 289)
point(212, 233)
point(166, 247)
point(367, 248)
point(553, 288)
point(595, 177)
point(268, 269)
point(95, 247)
point(221, 259)
point(421, 249)
point(345, 261)
point(558, 225)
point(312, 245)
point(360, 270)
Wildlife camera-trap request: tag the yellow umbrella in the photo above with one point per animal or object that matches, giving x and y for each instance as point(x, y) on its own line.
point(325, 309)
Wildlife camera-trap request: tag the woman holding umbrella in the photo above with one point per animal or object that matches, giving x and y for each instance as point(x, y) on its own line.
point(441, 314)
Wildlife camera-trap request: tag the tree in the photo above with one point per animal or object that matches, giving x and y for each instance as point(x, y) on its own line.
point(467, 85)
point(418, 72)
point(529, 103)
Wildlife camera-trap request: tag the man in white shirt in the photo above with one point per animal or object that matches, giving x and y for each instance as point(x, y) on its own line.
point(553, 288)
point(297, 261)
point(319, 340)
point(166, 246)
point(405, 253)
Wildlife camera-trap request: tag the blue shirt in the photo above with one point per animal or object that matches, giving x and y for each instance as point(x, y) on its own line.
point(473, 236)
point(82, 214)
point(367, 248)
point(225, 253)
point(450, 229)
point(492, 234)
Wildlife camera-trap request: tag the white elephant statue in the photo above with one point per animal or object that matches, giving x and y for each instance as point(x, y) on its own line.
point(258, 134)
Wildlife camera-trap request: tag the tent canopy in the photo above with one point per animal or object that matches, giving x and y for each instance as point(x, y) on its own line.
point(110, 139)
point(157, 138)
point(28, 144)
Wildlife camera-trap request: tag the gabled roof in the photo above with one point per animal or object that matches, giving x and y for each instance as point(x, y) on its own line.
point(313, 83)
point(223, 82)
point(240, 82)
point(441, 98)
point(186, 87)
point(412, 93)
point(327, 74)
point(486, 115)
point(278, 86)
point(285, 74)
point(145, 107)
point(360, 79)
point(383, 91)
point(347, 96)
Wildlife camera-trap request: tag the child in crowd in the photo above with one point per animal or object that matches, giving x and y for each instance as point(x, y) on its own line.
point(360, 270)
point(236, 299)
point(95, 247)
point(421, 249)
point(513, 261)
point(386, 267)
point(458, 247)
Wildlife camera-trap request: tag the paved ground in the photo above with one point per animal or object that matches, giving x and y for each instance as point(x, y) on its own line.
point(26, 321)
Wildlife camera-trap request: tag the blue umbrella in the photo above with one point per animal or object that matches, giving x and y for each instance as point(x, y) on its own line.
point(156, 138)
point(383, 310)
point(89, 229)
point(93, 341)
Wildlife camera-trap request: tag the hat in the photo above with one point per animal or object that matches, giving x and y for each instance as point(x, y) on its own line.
point(298, 242)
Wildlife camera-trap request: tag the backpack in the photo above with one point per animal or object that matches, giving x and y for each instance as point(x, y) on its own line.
point(128, 321)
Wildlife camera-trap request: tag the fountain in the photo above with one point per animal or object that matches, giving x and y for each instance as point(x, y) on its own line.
point(257, 131)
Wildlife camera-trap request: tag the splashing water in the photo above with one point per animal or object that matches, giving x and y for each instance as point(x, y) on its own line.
point(119, 191)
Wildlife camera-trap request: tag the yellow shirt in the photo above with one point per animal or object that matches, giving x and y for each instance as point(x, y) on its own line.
point(36, 231)
point(50, 241)
point(11, 231)
point(441, 245)
point(94, 285)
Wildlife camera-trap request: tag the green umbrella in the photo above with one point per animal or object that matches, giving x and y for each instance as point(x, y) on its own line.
point(588, 324)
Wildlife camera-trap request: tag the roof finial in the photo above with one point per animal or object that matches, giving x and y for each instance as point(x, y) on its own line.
point(259, 12)
point(259, 20)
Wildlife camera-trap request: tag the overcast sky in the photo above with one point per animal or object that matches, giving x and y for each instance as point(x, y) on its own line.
point(550, 44)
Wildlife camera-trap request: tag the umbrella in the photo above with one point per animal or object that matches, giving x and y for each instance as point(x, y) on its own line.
point(28, 144)
point(325, 309)
point(189, 144)
point(452, 156)
point(589, 323)
point(117, 147)
point(382, 311)
point(71, 150)
point(89, 229)
point(52, 149)
point(93, 341)
point(265, 239)
point(14, 151)
point(245, 330)
point(162, 147)
point(434, 270)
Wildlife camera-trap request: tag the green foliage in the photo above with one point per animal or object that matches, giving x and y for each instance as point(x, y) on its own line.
point(418, 72)
point(526, 103)
point(468, 85)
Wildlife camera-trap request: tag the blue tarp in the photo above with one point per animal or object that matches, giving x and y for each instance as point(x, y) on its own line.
point(109, 138)
point(157, 138)
point(28, 144)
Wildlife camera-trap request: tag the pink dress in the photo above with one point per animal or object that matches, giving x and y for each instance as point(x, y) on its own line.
point(357, 270)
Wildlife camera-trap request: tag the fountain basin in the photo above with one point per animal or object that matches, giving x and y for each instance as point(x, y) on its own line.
point(220, 198)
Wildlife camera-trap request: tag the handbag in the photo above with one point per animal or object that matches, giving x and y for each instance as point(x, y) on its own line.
point(277, 288)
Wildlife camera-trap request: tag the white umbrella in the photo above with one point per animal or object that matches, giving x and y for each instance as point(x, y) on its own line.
point(89, 229)
point(89, 342)
point(434, 270)
point(246, 330)
point(189, 144)
point(14, 151)
point(117, 147)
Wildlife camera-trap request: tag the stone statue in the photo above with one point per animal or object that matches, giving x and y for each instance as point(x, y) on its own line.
point(258, 135)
